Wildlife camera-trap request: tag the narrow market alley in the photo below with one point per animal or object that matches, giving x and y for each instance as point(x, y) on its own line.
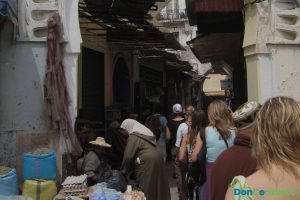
point(96, 95)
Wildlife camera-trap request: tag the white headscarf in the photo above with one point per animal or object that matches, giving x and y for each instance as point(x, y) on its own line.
point(131, 126)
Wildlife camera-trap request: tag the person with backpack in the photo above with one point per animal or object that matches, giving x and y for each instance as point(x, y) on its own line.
point(190, 150)
point(181, 167)
point(172, 151)
point(172, 126)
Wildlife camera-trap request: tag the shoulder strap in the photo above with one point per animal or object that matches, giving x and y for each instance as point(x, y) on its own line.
point(202, 135)
point(223, 137)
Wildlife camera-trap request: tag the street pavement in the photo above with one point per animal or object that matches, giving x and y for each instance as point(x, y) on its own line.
point(172, 181)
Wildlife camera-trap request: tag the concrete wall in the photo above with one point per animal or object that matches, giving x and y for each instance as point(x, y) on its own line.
point(272, 49)
point(285, 70)
point(22, 66)
point(23, 122)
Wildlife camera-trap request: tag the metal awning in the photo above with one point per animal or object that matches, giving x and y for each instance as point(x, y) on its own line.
point(9, 8)
point(126, 24)
point(168, 59)
point(216, 47)
point(134, 10)
point(219, 5)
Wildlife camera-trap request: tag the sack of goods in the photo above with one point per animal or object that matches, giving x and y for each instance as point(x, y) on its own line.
point(75, 186)
point(114, 179)
point(39, 164)
point(39, 189)
point(8, 181)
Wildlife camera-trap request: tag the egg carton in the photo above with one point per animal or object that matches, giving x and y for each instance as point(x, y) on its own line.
point(76, 192)
point(75, 180)
point(75, 187)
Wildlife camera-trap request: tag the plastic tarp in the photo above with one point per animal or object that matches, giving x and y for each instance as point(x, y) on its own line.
point(9, 8)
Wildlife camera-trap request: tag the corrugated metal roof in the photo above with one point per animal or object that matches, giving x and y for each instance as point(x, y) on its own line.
point(219, 5)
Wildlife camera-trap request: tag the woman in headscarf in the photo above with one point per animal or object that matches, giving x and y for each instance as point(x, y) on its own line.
point(143, 156)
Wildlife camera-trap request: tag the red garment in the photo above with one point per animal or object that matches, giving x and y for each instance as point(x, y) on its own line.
point(237, 160)
point(55, 86)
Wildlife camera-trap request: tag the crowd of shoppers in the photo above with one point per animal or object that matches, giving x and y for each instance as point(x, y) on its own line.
point(255, 148)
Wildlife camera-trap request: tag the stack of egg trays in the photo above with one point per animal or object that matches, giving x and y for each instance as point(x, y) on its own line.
point(75, 186)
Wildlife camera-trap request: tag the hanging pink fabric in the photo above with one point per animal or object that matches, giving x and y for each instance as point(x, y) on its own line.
point(55, 85)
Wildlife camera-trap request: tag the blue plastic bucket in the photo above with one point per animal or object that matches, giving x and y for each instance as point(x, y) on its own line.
point(9, 183)
point(39, 166)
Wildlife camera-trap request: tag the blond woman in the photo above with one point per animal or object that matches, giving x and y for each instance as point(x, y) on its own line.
point(276, 146)
point(219, 136)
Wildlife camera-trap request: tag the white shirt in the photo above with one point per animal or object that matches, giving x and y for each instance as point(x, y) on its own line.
point(181, 131)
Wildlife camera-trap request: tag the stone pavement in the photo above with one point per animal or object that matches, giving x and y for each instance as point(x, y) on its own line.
point(172, 181)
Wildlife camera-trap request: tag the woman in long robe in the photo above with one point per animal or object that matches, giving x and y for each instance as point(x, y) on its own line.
point(143, 156)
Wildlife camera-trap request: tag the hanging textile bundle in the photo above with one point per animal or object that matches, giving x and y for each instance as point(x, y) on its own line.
point(55, 85)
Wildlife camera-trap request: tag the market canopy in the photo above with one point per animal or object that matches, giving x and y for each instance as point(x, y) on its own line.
point(9, 8)
point(216, 47)
point(127, 23)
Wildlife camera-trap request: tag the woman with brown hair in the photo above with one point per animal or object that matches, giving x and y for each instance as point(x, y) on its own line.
point(219, 136)
point(276, 146)
point(181, 167)
point(190, 147)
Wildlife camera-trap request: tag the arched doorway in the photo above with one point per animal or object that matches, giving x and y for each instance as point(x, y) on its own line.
point(121, 83)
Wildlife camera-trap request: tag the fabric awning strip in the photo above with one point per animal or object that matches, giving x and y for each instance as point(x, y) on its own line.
point(9, 8)
point(219, 5)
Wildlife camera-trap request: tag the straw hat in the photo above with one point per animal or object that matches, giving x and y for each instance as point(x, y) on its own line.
point(244, 116)
point(100, 141)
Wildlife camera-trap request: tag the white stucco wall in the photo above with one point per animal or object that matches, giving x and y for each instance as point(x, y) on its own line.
point(285, 70)
point(260, 77)
point(272, 49)
point(22, 71)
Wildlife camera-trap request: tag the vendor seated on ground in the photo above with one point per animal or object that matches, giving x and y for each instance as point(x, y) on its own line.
point(95, 162)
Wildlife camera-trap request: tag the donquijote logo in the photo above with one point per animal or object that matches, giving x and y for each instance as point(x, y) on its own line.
point(240, 191)
point(274, 192)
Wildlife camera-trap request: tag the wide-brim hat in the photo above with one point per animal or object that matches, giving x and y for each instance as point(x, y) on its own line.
point(100, 141)
point(244, 116)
